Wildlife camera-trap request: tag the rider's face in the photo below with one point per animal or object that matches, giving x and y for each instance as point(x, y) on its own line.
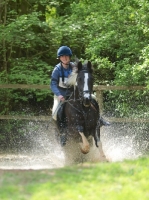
point(65, 59)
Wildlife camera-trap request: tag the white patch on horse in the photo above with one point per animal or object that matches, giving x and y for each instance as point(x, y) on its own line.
point(85, 147)
point(86, 95)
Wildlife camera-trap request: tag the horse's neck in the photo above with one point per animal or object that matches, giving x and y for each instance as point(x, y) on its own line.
point(75, 94)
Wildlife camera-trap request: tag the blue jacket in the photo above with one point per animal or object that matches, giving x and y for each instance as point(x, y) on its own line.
point(58, 78)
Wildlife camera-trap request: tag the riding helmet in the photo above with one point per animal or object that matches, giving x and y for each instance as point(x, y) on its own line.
point(64, 51)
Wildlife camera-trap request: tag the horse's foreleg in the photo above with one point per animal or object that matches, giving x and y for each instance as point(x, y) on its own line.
point(97, 136)
point(85, 147)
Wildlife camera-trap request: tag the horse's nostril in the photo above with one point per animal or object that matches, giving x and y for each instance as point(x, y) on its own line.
point(86, 102)
point(88, 98)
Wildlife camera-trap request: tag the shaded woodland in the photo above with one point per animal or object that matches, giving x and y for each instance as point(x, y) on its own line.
point(113, 35)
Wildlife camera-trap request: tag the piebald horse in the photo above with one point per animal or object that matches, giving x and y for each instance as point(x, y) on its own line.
point(81, 114)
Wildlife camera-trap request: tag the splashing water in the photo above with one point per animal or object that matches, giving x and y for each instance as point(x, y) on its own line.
point(125, 141)
point(37, 150)
point(40, 150)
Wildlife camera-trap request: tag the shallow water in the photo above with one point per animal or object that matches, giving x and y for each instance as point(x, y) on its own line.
point(125, 141)
point(41, 151)
point(21, 161)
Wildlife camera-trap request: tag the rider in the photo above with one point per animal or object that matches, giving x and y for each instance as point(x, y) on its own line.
point(59, 76)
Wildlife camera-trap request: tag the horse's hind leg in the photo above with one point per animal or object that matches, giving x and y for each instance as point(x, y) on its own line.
point(98, 144)
point(102, 156)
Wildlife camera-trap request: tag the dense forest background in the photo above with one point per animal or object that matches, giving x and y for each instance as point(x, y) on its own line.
point(112, 34)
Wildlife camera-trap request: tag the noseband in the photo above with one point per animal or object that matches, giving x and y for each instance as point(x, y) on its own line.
point(81, 94)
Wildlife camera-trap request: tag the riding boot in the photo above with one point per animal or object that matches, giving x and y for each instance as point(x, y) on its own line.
point(103, 122)
point(63, 137)
point(62, 125)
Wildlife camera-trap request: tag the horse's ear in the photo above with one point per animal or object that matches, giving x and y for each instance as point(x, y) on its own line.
point(79, 65)
point(89, 65)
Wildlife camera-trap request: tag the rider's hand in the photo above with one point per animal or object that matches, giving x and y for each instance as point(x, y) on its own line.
point(61, 98)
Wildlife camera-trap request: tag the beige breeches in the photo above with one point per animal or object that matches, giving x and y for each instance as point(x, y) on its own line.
point(55, 107)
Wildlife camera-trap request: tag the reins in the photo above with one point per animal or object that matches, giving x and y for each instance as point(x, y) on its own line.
point(72, 97)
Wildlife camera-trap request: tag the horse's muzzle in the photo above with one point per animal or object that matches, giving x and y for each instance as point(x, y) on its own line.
point(87, 102)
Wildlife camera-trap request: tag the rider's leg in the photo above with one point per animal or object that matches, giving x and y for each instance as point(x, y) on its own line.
point(55, 107)
point(59, 121)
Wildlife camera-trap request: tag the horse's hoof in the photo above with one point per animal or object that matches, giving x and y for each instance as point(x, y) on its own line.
point(63, 140)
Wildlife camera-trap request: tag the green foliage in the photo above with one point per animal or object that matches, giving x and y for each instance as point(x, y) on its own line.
point(25, 44)
point(115, 32)
point(114, 35)
point(132, 104)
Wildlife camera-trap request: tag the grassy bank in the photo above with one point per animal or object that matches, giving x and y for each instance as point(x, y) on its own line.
point(128, 180)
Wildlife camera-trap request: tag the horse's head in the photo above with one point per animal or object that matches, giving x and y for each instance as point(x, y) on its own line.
point(85, 82)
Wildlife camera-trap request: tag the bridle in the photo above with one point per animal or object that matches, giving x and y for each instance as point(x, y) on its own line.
point(82, 93)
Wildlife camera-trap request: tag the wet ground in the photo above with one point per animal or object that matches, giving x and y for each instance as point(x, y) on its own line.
point(20, 161)
point(120, 141)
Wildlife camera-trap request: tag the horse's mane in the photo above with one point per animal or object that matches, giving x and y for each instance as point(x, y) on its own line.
point(71, 81)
